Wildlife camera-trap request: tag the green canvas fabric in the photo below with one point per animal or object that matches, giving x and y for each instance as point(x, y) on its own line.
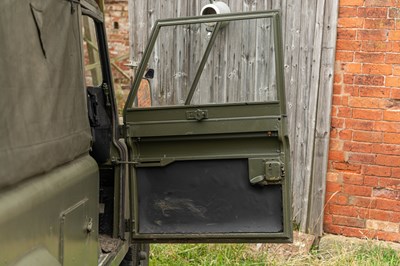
point(43, 114)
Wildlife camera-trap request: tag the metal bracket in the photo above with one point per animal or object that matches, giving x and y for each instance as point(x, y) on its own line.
point(263, 172)
point(116, 161)
point(197, 115)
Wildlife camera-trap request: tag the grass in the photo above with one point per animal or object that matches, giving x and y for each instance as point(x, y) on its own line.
point(368, 254)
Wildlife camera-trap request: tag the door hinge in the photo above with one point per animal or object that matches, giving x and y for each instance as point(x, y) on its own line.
point(128, 225)
point(106, 91)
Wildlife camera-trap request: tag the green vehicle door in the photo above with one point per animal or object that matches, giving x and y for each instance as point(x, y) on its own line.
point(208, 147)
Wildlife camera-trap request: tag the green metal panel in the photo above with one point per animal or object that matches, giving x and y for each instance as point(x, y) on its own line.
point(57, 211)
point(167, 136)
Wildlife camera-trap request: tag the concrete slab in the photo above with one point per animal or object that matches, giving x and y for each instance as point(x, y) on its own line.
point(331, 245)
point(301, 245)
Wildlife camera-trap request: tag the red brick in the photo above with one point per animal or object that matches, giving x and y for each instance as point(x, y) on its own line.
point(348, 12)
point(386, 149)
point(392, 115)
point(375, 3)
point(353, 179)
point(357, 190)
point(346, 34)
point(395, 94)
point(359, 124)
point(358, 232)
point(375, 170)
point(367, 136)
point(333, 229)
point(396, 172)
point(351, 90)
point(366, 102)
point(337, 100)
point(350, 211)
point(379, 69)
point(337, 122)
point(357, 147)
point(392, 58)
point(344, 56)
point(345, 100)
point(333, 133)
point(396, 70)
point(336, 156)
point(391, 138)
point(346, 167)
point(394, 237)
point(386, 193)
point(386, 204)
point(394, 217)
point(376, 46)
point(355, 68)
point(390, 127)
point(335, 144)
point(382, 226)
point(374, 92)
point(369, 57)
point(386, 182)
point(377, 35)
point(379, 215)
point(371, 181)
point(332, 177)
point(351, 2)
point(392, 82)
point(346, 134)
point(350, 22)
point(378, 23)
point(362, 158)
point(348, 79)
point(394, 12)
point(394, 35)
point(337, 89)
point(387, 160)
point(369, 80)
point(348, 221)
point(348, 45)
point(372, 12)
point(344, 112)
point(337, 79)
point(364, 202)
point(395, 47)
point(327, 219)
point(333, 187)
point(336, 198)
point(366, 114)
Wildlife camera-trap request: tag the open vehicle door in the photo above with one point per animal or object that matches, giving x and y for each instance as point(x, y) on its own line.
point(210, 156)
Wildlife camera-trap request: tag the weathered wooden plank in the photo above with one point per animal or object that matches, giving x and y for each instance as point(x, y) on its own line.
point(292, 64)
point(309, 105)
point(323, 122)
point(138, 19)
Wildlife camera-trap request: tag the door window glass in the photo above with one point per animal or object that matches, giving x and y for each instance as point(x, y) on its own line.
point(239, 64)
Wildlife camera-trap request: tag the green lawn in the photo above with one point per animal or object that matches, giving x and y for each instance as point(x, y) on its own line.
point(246, 254)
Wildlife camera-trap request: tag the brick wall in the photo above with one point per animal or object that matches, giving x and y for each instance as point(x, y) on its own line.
point(117, 27)
point(363, 180)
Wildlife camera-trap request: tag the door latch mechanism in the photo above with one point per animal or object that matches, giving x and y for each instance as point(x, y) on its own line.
point(197, 115)
point(264, 172)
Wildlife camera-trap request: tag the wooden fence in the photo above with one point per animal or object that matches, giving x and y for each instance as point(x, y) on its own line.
point(309, 32)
